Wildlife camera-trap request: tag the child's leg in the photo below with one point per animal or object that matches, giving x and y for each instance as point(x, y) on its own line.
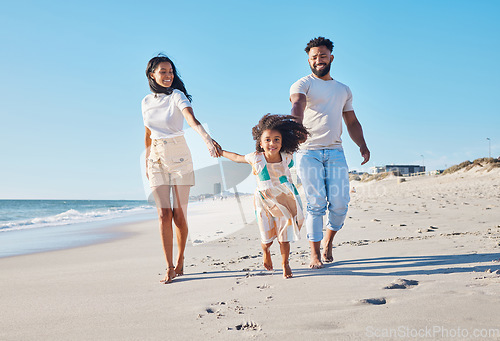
point(268, 262)
point(285, 252)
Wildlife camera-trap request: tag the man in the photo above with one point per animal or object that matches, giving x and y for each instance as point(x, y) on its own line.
point(320, 103)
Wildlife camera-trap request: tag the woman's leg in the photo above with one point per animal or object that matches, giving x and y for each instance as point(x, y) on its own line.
point(165, 215)
point(181, 198)
point(285, 252)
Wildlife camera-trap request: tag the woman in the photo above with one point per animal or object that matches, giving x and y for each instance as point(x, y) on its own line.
point(169, 166)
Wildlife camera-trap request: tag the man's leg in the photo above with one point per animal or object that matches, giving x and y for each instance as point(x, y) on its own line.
point(337, 189)
point(328, 245)
point(312, 176)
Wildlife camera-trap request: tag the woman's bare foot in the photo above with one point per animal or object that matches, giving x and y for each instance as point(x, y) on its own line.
point(287, 271)
point(169, 276)
point(179, 269)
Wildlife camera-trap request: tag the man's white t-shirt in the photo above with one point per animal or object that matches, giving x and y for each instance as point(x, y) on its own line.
point(326, 101)
point(162, 114)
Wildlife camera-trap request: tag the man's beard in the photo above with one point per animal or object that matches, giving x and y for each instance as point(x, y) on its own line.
point(323, 72)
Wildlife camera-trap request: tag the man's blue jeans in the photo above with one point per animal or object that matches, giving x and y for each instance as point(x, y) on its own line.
point(325, 177)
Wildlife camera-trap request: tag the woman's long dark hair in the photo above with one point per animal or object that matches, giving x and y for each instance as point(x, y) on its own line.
point(157, 88)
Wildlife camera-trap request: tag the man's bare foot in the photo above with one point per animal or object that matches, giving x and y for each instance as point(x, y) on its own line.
point(315, 263)
point(268, 262)
point(179, 269)
point(328, 246)
point(169, 276)
point(287, 271)
point(315, 255)
point(327, 253)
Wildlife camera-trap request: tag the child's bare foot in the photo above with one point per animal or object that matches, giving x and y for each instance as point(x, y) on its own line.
point(268, 262)
point(169, 276)
point(179, 269)
point(287, 271)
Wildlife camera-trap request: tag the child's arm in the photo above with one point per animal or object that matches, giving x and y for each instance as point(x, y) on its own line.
point(233, 156)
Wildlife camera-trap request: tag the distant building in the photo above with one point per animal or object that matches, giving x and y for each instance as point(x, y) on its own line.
point(376, 170)
point(355, 172)
point(399, 169)
point(405, 169)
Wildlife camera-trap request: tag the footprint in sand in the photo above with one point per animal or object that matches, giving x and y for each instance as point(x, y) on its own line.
point(220, 309)
point(430, 229)
point(218, 313)
point(402, 283)
point(263, 286)
point(374, 301)
point(250, 325)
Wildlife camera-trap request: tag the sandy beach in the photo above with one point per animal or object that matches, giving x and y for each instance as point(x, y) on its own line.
point(416, 259)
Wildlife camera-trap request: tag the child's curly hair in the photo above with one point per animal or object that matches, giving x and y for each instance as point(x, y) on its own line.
point(292, 132)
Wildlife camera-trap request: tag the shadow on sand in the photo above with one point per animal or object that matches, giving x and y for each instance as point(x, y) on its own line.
point(381, 266)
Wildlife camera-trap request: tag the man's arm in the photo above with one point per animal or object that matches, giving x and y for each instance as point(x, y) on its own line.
point(298, 106)
point(356, 134)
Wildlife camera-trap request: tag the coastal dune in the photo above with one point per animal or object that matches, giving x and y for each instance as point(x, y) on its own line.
point(419, 258)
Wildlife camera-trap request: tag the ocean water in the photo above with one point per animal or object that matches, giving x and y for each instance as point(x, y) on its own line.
point(28, 214)
point(29, 226)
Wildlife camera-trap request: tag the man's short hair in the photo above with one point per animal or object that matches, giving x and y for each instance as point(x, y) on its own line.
point(317, 42)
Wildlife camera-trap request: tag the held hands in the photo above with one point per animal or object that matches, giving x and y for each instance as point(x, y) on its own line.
point(219, 148)
point(214, 149)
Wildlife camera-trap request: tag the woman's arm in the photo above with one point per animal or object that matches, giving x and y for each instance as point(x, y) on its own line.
point(233, 156)
point(196, 125)
point(147, 142)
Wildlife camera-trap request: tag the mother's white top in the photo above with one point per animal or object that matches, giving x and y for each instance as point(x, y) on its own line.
point(162, 114)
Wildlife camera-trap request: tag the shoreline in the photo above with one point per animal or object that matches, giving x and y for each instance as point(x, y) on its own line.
point(31, 241)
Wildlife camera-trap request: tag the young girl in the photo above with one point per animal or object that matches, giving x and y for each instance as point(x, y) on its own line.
point(277, 203)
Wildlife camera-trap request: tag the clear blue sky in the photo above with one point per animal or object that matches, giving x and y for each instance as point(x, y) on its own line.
point(424, 76)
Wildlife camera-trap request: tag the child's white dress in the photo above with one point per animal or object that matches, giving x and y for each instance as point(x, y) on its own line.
point(278, 208)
